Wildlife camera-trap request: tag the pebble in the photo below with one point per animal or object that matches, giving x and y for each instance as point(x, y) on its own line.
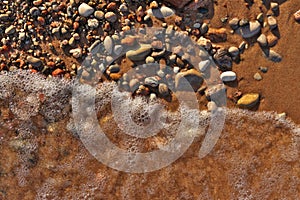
point(248, 100)
point(216, 92)
point(134, 84)
point(162, 12)
point(118, 49)
point(163, 90)
point(204, 28)
point(151, 81)
point(114, 69)
point(197, 25)
point(111, 17)
point(152, 96)
point(233, 51)
point(35, 62)
point(139, 54)
point(85, 10)
point(93, 23)
point(263, 69)
point(76, 53)
point(99, 15)
point(243, 22)
point(274, 6)
point(273, 56)
point(4, 17)
point(108, 44)
point(192, 76)
point(228, 76)
point(272, 22)
point(250, 30)
point(262, 40)
point(34, 11)
point(223, 60)
point(10, 30)
point(211, 106)
point(260, 17)
point(272, 40)
point(203, 65)
point(176, 69)
point(234, 23)
point(257, 76)
point(150, 59)
point(297, 15)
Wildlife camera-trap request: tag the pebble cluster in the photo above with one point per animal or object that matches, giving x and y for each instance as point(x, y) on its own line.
point(55, 37)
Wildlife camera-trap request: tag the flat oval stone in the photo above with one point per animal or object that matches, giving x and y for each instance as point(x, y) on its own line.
point(248, 100)
point(250, 30)
point(162, 12)
point(10, 30)
point(108, 44)
point(234, 23)
point(36, 62)
point(139, 54)
point(228, 76)
point(203, 65)
point(85, 10)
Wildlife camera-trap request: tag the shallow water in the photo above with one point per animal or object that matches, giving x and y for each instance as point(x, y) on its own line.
point(43, 157)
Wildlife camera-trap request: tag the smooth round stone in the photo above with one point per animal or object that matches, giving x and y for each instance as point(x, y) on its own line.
point(10, 30)
point(273, 56)
point(35, 62)
point(234, 23)
point(72, 42)
point(228, 76)
point(139, 54)
point(150, 59)
point(85, 10)
point(111, 17)
point(297, 15)
point(162, 12)
point(262, 40)
point(163, 89)
point(118, 49)
point(250, 30)
point(151, 81)
point(203, 65)
point(248, 100)
point(257, 76)
point(99, 15)
point(22, 36)
point(272, 22)
point(233, 51)
point(211, 106)
point(108, 44)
